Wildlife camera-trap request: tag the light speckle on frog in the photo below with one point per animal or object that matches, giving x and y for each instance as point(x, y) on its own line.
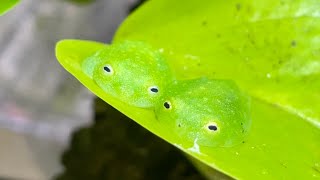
point(131, 71)
point(213, 113)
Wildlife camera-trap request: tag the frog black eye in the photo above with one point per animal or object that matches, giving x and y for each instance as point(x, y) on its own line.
point(153, 89)
point(108, 69)
point(167, 105)
point(213, 127)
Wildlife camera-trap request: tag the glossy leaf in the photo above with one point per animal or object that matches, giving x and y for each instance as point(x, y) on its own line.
point(249, 41)
point(6, 5)
point(269, 48)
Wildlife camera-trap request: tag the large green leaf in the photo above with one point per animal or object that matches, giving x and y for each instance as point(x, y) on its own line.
point(275, 43)
point(6, 5)
point(270, 48)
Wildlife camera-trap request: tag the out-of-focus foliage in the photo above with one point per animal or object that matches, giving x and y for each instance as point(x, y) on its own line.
point(6, 5)
point(115, 147)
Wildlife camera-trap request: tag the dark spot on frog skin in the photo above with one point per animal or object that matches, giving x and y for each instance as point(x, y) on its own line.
point(204, 23)
point(250, 38)
point(283, 164)
point(280, 61)
point(238, 7)
point(293, 43)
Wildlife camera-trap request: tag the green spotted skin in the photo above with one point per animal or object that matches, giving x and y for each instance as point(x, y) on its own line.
point(130, 71)
point(213, 113)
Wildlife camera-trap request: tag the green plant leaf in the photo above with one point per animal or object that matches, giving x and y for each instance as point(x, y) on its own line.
point(269, 48)
point(273, 42)
point(6, 5)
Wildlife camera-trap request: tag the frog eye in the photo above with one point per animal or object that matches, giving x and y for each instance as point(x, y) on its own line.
point(108, 69)
point(153, 89)
point(167, 105)
point(212, 127)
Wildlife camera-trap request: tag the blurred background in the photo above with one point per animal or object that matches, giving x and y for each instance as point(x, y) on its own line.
point(40, 103)
point(52, 127)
